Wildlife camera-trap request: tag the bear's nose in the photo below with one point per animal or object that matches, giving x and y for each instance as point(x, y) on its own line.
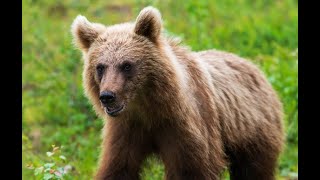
point(107, 97)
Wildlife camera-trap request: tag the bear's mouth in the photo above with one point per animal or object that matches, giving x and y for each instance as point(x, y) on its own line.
point(114, 110)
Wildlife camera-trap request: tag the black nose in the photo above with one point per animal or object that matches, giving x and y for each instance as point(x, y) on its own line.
point(107, 97)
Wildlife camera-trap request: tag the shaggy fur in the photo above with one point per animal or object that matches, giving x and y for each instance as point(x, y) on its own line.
point(201, 112)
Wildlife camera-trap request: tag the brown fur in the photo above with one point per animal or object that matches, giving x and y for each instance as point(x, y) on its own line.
point(199, 111)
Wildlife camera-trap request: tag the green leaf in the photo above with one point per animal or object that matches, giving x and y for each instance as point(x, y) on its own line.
point(48, 165)
point(48, 176)
point(293, 174)
point(62, 157)
point(60, 172)
point(50, 154)
point(38, 170)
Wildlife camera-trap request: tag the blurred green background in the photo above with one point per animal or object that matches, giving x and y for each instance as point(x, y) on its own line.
point(55, 110)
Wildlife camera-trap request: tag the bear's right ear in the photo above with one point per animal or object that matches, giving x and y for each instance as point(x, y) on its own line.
point(84, 33)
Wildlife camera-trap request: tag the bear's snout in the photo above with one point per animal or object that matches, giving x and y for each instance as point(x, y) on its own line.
point(110, 103)
point(107, 97)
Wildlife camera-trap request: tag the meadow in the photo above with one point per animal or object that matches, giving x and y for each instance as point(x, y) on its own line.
point(55, 111)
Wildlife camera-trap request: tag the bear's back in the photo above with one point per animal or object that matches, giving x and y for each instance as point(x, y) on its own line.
point(246, 102)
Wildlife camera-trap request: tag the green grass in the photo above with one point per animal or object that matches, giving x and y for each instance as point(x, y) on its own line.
point(55, 110)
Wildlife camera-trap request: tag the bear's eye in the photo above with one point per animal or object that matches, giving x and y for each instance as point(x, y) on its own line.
point(126, 67)
point(100, 69)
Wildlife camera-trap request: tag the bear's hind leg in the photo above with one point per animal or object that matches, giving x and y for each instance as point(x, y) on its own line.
point(252, 165)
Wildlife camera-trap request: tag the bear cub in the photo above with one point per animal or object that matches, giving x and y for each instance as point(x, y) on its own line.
point(199, 112)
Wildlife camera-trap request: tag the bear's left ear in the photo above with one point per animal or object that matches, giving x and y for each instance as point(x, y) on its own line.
point(149, 23)
point(84, 32)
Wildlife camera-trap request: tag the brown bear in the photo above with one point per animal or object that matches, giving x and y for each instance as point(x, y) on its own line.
point(200, 112)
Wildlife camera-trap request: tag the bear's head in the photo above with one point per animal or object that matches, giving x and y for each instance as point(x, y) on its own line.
point(119, 60)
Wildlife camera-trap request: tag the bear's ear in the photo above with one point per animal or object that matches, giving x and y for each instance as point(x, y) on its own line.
point(84, 32)
point(149, 23)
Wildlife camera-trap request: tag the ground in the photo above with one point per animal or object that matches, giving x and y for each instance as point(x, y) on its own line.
point(55, 110)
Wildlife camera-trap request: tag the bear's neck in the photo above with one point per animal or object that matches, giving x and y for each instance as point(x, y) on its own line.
point(166, 93)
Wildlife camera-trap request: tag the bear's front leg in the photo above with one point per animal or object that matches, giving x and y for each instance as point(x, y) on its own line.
point(123, 151)
point(189, 156)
